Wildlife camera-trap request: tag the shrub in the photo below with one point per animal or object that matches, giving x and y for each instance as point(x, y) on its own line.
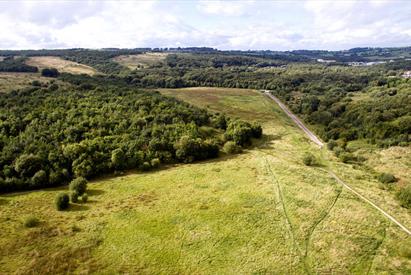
point(155, 162)
point(230, 147)
point(331, 144)
point(36, 83)
point(145, 166)
point(31, 222)
point(386, 178)
point(50, 72)
point(73, 196)
point(84, 198)
point(62, 201)
point(39, 178)
point(309, 159)
point(257, 130)
point(78, 185)
point(404, 196)
point(346, 157)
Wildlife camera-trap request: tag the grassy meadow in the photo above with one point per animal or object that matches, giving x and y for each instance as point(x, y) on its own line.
point(134, 61)
point(15, 81)
point(259, 212)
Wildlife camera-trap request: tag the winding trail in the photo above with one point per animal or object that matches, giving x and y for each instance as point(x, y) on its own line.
point(318, 142)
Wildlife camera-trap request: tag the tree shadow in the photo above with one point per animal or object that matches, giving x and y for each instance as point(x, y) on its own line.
point(95, 192)
point(78, 207)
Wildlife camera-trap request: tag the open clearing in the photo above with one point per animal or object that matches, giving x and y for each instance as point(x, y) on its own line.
point(262, 211)
point(60, 64)
point(14, 81)
point(135, 61)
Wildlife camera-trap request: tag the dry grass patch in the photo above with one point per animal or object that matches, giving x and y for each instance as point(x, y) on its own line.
point(60, 64)
point(15, 81)
point(135, 61)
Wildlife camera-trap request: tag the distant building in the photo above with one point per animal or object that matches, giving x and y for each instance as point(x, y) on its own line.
point(326, 60)
point(362, 64)
point(406, 74)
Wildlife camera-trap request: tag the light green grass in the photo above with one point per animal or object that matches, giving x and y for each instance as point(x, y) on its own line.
point(260, 212)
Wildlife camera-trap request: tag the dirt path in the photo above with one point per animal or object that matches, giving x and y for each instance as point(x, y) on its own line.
point(317, 141)
point(297, 121)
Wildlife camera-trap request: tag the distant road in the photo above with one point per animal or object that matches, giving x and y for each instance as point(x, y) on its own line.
point(317, 141)
point(297, 121)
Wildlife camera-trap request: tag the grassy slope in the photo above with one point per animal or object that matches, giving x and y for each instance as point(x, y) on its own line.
point(60, 64)
point(15, 81)
point(259, 212)
point(134, 60)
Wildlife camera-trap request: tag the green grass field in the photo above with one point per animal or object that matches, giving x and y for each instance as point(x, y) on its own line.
point(260, 212)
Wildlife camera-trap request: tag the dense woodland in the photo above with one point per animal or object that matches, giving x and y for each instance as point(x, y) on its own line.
point(51, 134)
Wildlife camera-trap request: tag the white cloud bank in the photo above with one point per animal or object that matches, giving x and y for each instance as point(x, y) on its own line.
point(222, 24)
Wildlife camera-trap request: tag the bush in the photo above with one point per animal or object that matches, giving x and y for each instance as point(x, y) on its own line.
point(73, 197)
point(50, 72)
point(404, 196)
point(331, 144)
point(257, 130)
point(230, 147)
point(78, 185)
point(346, 157)
point(145, 166)
point(39, 178)
point(309, 159)
point(84, 198)
point(386, 178)
point(155, 162)
point(31, 222)
point(62, 201)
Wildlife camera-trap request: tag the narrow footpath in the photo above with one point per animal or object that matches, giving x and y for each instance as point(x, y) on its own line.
point(317, 141)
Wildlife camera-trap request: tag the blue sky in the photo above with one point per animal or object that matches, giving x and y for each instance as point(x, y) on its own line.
point(275, 25)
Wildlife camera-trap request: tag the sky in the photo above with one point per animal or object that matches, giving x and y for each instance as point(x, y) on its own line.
point(226, 25)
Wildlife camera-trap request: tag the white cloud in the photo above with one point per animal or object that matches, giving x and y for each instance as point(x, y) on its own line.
point(219, 7)
point(222, 24)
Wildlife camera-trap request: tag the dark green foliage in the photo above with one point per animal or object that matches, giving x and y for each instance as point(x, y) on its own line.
point(36, 83)
point(39, 178)
point(386, 178)
point(49, 137)
point(62, 201)
point(309, 159)
point(230, 147)
point(78, 186)
point(155, 163)
point(241, 132)
point(31, 222)
point(50, 72)
point(404, 196)
point(84, 198)
point(331, 144)
point(145, 166)
point(11, 64)
point(257, 130)
point(28, 164)
point(190, 149)
point(118, 159)
point(74, 196)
